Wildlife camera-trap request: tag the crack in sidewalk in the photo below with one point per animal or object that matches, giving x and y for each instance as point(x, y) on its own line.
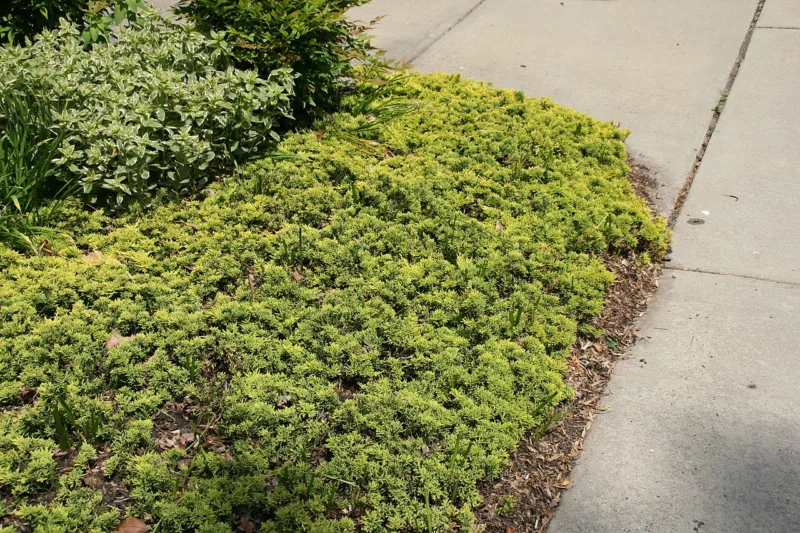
point(728, 274)
point(720, 107)
point(461, 19)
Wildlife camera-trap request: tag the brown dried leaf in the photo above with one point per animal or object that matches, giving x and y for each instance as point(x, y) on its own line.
point(93, 481)
point(298, 274)
point(191, 225)
point(132, 525)
point(27, 393)
point(93, 257)
point(252, 277)
point(187, 438)
point(500, 227)
point(116, 339)
point(169, 439)
point(246, 525)
point(285, 400)
point(46, 248)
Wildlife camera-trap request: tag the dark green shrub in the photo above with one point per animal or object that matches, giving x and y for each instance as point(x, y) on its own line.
point(312, 37)
point(23, 19)
point(354, 339)
point(159, 106)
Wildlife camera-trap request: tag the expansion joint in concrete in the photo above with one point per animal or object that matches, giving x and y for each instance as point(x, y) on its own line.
point(461, 19)
point(673, 217)
point(729, 275)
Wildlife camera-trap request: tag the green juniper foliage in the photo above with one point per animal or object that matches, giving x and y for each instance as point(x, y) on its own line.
point(357, 337)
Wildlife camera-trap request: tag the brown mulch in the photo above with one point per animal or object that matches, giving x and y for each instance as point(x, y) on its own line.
point(524, 498)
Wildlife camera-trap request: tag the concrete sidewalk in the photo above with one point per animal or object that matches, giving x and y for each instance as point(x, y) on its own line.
point(704, 428)
point(701, 431)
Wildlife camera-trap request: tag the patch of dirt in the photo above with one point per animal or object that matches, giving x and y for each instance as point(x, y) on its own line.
point(524, 498)
point(186, 426)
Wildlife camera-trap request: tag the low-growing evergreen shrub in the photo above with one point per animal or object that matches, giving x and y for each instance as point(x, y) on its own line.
point(159, 106)
point(351, 340)
point(312, 37)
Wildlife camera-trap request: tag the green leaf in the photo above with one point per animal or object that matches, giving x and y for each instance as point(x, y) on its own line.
point(120, 14)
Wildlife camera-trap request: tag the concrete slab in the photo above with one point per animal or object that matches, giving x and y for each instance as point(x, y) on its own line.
point(164, 5)
point(702, 432)
point(411, 26)
point(754, 155)
point(781, 14)
point(657, 67)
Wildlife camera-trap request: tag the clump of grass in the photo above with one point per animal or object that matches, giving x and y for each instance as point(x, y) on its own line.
point(506, 505)
point(29, 195)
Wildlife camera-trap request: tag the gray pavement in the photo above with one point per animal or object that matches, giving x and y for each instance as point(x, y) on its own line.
point(703, 432)
point(164, 5)
point(701, 426)
point(749, 182)
point(781, 14)
point(700, 431)
point(411, 26)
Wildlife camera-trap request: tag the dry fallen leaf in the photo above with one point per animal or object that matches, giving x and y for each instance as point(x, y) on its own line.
point(252, 277)
point(169, 439)
point(116, 339)
point(132, 525)
point(93, 481)
point(509, 530)
point(46, 248)
point(285, 400)
point(298, 274)
point(27, 393)
point(246, 525)
point(499, 227)
point(93, 257)
point(187, 438)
